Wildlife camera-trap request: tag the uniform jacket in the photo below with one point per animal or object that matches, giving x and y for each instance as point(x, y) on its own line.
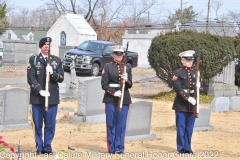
point(183, 81)
point(36, 75)
point(111, 74)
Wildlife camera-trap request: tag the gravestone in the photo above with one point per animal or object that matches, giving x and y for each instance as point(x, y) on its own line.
point(220, 104)
point(91, 110)
point(147, 84)
point(90, 106)
point(234, 103)
point(14, 108)
point(139, 121)
point(64, 86)
point(202, 123)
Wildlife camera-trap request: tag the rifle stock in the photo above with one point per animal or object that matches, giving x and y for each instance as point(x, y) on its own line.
point(122, 84)
point(47, 87)
point(196, 90)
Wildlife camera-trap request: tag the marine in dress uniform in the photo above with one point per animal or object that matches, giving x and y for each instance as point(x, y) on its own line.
point(36, 75)
point(183, 80)
point(116, 121)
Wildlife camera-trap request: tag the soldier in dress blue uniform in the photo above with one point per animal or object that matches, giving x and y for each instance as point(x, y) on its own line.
point(183, 80)
point(36, 74)
point(116, 121)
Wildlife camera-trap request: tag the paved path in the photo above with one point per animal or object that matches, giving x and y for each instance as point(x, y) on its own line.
point(13, 80)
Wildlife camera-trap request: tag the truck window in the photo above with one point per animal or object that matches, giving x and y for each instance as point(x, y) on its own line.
point(97, 48)
point(108, 50)
point(83, 46)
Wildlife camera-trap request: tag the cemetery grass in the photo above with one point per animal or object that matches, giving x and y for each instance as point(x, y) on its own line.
point(221, 143)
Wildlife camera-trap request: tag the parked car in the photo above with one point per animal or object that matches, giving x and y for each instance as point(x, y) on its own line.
point(92, 55)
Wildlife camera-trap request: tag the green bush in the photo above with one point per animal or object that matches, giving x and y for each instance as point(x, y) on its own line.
point(236, 41)
point(216, 53)
point(170, 96)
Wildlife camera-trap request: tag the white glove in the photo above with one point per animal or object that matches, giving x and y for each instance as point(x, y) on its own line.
point(118, 93)
point(192, 100)
point(198, 85)
point(124, 76)
point(44, 93)
point(49, 69)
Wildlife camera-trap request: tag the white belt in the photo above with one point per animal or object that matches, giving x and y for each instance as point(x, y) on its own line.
point(114, 85)
point(190, 91)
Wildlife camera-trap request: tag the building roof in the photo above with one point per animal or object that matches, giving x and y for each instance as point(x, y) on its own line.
point(214, 27)
point(22, 33)
point(77, 21)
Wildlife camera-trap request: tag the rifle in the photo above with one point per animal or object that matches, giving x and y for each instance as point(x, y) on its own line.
point(47, 86)
point(122, 84)
point(196, 90)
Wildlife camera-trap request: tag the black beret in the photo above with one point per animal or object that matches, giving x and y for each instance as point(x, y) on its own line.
point(44, 40)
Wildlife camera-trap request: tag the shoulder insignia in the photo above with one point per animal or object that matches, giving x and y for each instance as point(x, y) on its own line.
point(33, 55)
point(174, 78)
point(29, 66)
point(54, 56)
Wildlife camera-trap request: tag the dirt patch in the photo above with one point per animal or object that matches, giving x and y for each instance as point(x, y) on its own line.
point(89, 140)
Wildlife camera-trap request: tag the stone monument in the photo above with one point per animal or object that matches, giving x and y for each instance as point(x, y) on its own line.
point(14, 108)
point(73, 81)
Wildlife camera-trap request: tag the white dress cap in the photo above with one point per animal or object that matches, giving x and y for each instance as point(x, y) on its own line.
point(118, 48)
point(187, 54)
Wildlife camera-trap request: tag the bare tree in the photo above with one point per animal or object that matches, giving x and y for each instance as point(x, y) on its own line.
point(70, 6)
point(235, 18)
point(227, 27)
point(216, 5)
point(42, 17)
point(139, 11)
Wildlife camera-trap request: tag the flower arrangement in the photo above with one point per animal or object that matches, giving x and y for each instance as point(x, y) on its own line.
point(4, 146)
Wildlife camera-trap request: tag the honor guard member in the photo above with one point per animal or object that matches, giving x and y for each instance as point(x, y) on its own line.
point(183, 80)
point(116, 121)
point(36, 74)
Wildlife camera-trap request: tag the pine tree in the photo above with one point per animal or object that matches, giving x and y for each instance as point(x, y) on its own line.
point(3, 22)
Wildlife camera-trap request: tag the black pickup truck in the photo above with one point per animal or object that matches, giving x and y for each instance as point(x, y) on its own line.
point(92, 55)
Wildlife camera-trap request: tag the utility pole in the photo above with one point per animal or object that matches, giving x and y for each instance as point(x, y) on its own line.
point(208, 16)
point(181, 6)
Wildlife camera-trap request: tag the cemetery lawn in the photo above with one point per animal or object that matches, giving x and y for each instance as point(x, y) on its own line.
point(221, 143)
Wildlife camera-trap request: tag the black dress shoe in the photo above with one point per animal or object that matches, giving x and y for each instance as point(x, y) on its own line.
point(118, 152)
point(49, 153)
point(189, 152)
point(38, 152)
point(181, 151)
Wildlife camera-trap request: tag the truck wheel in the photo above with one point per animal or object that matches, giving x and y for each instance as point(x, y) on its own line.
point(94, 70)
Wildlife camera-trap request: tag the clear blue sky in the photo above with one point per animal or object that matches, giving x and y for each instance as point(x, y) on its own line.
point(166, 5)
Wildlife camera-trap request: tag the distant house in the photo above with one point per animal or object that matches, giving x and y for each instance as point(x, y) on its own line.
point(28, 34)
point(214, 27)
